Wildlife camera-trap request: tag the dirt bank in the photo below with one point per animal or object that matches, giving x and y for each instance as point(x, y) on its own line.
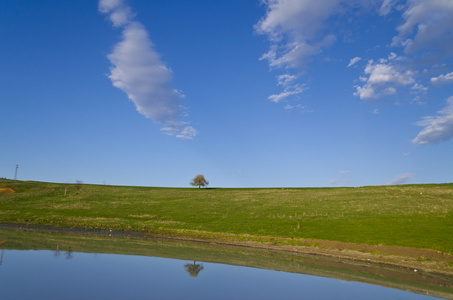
point(416, 260)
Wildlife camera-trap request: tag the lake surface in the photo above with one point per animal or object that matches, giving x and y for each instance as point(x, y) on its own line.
point(66, 274)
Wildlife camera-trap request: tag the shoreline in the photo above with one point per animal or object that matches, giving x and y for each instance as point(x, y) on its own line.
point(260, 256)
point(411, 259)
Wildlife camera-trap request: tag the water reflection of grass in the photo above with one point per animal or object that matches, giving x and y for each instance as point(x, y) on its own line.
point(399, 278)
point(419, 216)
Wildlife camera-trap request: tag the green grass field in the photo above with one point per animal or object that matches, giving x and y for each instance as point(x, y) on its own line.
point(419, 216)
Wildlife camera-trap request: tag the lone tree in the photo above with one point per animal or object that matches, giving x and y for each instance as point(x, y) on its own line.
point(199, 181)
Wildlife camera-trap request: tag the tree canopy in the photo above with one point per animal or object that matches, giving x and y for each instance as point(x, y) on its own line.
point(199, 181)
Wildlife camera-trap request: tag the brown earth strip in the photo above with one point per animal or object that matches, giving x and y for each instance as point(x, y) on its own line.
point(417, 260)
point(426, 254)
point(392, 257)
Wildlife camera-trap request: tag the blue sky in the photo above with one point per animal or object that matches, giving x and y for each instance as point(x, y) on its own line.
point(276, 93)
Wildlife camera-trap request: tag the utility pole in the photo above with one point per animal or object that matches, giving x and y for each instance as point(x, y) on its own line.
point(15, 174)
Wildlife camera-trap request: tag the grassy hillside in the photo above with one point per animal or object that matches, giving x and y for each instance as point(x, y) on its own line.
point(419, 216)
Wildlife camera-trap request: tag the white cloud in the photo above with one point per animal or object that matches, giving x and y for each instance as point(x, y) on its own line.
point(286, 79)
point(427, 26)
point(401, 179)
point(279, 97)
point(297, 30)
point(392, 56)
point(138, 71)
point(294, 29)
point(383, 77)
point(187, 133)
point(437, 128)
point(290, 88)
point(427, 39)
point(119, 13)
point(387, 6)
point(443, 79)
point(353, 61)
point(419, 88)
point(299, 107)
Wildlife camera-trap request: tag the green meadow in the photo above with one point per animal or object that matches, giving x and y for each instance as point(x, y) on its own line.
point(418, 216)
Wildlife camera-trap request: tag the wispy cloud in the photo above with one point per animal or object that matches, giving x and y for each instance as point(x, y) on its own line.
point(387, 6)
point(443, 79)
point(419, 88)
point(118, 11)
point(353, 61)
point(293, 27)
point(290, 88)
point(401, 179)
point(437, 128)
point(299, 29)
point(139, 72)
point(427, 28)
point(187, 133)
point(294, 30)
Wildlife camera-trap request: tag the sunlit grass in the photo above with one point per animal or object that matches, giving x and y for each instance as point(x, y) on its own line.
point(410, 215)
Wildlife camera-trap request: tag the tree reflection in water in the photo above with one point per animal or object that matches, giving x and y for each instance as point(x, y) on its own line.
point(68, 253)
point(194, 269)
point(57, 252)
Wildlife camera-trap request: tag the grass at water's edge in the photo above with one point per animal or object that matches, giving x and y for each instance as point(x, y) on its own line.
point(417, 216)
point(62, 243)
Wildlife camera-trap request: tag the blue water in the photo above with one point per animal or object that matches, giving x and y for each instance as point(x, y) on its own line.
point(65, 275)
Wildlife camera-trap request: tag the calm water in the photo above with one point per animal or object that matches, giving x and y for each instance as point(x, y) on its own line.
point(71, 275)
